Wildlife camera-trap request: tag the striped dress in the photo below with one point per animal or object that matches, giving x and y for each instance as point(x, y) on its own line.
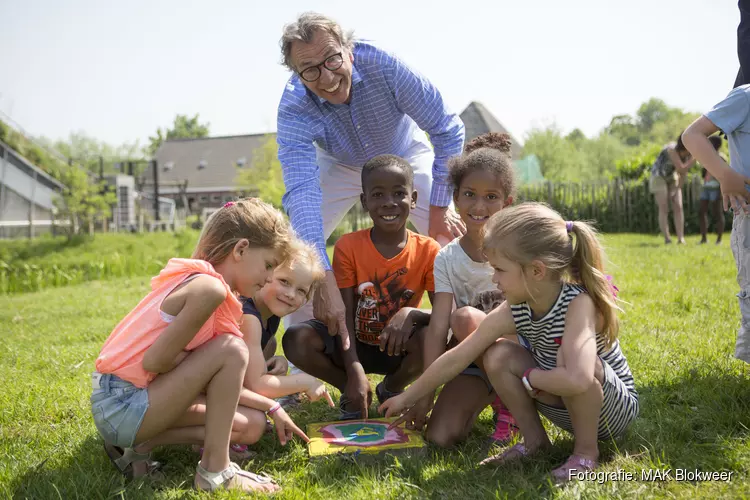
point(543, 337)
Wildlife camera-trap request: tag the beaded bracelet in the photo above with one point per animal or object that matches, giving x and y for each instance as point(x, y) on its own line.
point(274, 409)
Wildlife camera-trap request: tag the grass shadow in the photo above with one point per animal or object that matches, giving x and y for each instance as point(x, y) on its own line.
point(692, 421)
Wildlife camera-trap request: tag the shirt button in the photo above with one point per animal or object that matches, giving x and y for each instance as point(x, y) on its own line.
point(367, 145)
point(358, 127)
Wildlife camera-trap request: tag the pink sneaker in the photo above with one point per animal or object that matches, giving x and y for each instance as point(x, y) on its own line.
point(505, 424)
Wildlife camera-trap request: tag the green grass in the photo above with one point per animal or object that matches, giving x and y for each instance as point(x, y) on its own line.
point(678, 333)
point(27, 266)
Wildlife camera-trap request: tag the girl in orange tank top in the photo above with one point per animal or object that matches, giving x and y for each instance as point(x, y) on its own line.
point(180, 351)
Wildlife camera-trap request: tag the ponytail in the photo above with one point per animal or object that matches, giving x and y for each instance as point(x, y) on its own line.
point(587, 267)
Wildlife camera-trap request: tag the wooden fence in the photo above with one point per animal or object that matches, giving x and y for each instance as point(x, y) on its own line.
point(616, 206)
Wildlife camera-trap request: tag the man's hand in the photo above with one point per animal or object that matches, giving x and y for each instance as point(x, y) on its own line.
point(397, 332)
point(734, 190)
point(328, 307)
point(358, 390)
point(445, 224)
point(277, 365)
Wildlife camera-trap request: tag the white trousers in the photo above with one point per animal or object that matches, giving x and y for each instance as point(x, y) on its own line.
point(342, 184)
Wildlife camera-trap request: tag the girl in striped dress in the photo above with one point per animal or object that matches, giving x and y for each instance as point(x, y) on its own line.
point(568, 365)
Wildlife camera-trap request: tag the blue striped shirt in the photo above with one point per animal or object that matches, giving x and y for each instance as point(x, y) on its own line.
point(389, 102)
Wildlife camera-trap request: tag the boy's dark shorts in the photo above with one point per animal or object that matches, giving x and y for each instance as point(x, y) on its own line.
point(370, 356)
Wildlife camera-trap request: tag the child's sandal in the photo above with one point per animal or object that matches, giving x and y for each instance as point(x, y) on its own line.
point(234, 477)
point(237, 452)
point(573, 463)
point(512, 454)
point(124, 458)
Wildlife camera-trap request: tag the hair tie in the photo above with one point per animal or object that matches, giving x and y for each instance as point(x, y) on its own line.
point(228, 204)
point(569, 225)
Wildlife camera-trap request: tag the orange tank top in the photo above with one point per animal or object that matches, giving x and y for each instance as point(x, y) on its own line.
point(122, 354)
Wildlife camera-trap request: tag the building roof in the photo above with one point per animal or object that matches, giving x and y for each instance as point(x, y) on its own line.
point(206, 163)
point(211, 163)
point(478, 120)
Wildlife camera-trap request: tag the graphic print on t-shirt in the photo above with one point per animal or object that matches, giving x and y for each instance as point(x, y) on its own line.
point(378, 300)
point(489, 300)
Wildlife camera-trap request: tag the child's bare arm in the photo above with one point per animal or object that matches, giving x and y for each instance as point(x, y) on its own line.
point(576, 372)
point(733, 184)
point(349, 356)
point(498, 323)
point(191, 305)
point(256, 377)
point(357, 386)
point(677, 161)
point(437, 330)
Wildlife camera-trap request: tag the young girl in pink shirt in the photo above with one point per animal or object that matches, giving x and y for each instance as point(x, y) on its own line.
point(172, 371)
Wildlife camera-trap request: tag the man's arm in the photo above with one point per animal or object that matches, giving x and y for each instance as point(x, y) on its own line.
point(303, 198)
point(302, 201)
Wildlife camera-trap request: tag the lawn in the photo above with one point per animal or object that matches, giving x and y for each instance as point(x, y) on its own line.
point(678, 333)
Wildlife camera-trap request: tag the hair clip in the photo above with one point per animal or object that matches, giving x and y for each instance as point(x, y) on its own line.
point(228, 204)
point(569, 225)
point(612, 285)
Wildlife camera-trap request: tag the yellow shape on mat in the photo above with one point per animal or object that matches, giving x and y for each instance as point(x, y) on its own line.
point(360, 436)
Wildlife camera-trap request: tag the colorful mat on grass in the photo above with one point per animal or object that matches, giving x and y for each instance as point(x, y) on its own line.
point(360, 436)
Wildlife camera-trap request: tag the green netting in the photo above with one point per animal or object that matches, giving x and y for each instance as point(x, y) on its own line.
point(528, 169)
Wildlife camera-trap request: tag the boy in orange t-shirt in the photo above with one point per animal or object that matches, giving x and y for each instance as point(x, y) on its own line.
point(382, 273)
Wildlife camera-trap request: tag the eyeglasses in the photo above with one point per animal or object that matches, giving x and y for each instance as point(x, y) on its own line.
point(332, 63)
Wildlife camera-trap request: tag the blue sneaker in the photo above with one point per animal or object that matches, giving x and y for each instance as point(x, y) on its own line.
point(384, 394)
point(346, 414)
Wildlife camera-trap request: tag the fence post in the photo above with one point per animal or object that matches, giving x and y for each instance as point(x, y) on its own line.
point(155, 166)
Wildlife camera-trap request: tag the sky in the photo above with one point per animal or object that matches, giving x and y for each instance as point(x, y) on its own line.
point(119, 70)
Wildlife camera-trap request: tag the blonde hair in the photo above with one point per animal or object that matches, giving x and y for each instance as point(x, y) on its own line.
point(305, 255)
point(534, 231)
point(251, 219)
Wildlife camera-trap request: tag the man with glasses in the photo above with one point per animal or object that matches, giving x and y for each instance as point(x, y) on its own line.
point(346, 102)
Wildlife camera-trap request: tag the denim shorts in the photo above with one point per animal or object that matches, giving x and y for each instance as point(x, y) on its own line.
point(710, 194)
point(118, 407)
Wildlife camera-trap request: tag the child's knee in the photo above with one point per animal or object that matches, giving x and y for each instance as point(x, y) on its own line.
point(500, 356)
point(248, 427)
point(232, 349)
point(298, 340)
point(464, 321)
point(442, 436)
point(443, 429)
point(415, 344)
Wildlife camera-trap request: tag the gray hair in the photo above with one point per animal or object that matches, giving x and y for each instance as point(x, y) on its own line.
point(304, 29)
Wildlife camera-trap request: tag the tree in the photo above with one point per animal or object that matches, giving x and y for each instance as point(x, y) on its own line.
point(654, 122)
point(83, 200)
point(653, 111)
point(88, 151)
point(576, 136)
point(182, 128)
point(264, 174)
point(560, 159)
point(624, 128)
point(603, 154)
